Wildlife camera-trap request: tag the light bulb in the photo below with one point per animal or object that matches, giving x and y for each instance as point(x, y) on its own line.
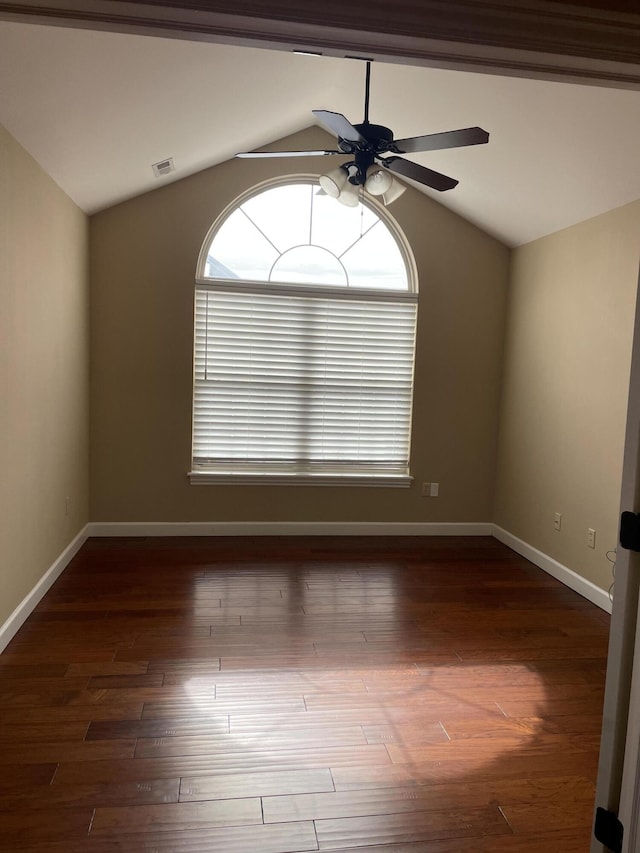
point(379, 181)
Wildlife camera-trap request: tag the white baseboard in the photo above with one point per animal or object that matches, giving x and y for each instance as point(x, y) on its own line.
point(29, 602)
point(289, 528)
point(562, 573)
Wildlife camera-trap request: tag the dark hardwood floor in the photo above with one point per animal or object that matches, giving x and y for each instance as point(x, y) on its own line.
point(272, 695)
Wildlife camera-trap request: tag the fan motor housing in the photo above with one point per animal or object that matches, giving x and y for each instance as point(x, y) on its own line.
point(374, 133)
point(377, 139)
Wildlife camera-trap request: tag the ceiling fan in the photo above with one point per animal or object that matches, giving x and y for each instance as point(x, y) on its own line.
point(367, 143)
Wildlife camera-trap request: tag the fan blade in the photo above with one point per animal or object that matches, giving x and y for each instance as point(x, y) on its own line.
point(432, 179)
point(248, 154)
point(338, 124)
point(437, 141)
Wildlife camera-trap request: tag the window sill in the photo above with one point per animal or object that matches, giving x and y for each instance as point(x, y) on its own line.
point(255, 478)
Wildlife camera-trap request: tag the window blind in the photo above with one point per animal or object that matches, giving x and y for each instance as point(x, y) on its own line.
point(290, 382)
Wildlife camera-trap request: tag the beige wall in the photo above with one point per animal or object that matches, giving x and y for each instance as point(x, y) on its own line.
point(143, 257)
point(43, 372)
point(567, 360)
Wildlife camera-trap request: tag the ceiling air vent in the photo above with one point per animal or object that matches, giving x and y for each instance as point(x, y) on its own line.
point(163, 167)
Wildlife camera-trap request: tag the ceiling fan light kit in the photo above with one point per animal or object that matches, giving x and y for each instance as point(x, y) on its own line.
point(340, 184)
point(366, 143)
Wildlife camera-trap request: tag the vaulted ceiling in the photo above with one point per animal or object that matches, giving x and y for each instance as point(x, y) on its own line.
point(97, 109)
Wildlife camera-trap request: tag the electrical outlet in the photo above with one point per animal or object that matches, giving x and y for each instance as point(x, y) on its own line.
point(430, 490)
point(591, 537)
point(557, 521)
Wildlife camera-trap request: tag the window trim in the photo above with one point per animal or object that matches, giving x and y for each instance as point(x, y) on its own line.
point(259, 474)
point(300, 478)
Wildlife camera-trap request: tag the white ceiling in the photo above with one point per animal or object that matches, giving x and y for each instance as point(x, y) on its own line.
point(96, 109)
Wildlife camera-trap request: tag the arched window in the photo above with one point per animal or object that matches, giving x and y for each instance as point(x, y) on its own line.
point(305, 316)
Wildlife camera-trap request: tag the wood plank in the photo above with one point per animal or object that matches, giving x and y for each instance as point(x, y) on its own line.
point(419, 826)
point(69, 713)
point(551, 706)
point(40, 691)
point(25, 777)
point(525, 818)
point(43, 732)
point(433, 706)
point(10, 670)
point(510, 766)
point(483, 749)
point(544, 794)
point(90, 772)
point(219, 744)
point(44, 825)
point(255, 784)
point(114, 794)
point(162, 727)
point(285, 838)
point(406, 733)
point(183, 669)
point(44, 655)
point(149, 679)
point(201, 704)
point(464, 729)
point(109, 668)
point(554, 673)
point(176, 816)
point(567, 842)
point(254, 688)
point(369, 717)
point(44, 753)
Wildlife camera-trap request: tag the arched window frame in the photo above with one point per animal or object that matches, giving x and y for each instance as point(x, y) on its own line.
point(252, 472)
